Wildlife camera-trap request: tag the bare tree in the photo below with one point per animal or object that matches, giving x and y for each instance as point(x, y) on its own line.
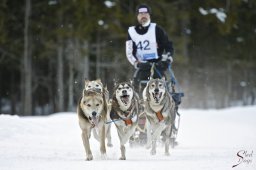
point(60, 85)
point(71, 55)
point(27, 68)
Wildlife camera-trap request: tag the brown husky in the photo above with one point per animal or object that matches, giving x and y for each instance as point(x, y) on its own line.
point(92, 115)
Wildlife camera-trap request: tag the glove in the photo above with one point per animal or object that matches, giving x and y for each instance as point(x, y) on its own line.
point(136, 65)
point(170, 59)
point(167, 57)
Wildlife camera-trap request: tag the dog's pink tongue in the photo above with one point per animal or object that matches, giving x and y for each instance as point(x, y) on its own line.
point(156, 95)
point(95, 120)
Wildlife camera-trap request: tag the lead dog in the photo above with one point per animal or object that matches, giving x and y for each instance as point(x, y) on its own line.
point(159, 109)
point(92, 115)
point(124, 113)
point(97, 85)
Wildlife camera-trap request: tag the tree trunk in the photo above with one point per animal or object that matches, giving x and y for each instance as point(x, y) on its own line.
point(27, 69)
point(60, 85)
point(245, 88)
point(13, 95)
point(229, 85)
point(86, 65)
point(71, 86)
point(72, 55)
point(98, 53)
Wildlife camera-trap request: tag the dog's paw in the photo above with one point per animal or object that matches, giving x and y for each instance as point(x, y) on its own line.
point(122, 158)
point(153, 152)
point(110, 145)
point(89, 158)
point(148, 146)
point(104, 156)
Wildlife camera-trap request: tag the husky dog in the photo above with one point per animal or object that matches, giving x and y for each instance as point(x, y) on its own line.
point(124, 113)
point(94, 84)
point(91, 115)
point(159, 109)
point(97, 85)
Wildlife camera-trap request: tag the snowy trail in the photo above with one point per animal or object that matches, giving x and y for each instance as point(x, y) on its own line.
point(208, 139)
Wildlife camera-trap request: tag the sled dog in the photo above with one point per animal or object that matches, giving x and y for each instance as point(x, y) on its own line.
point(94, 84)
point(91, 115)
point(124, 113)
point(159, 109)
point(97, 85)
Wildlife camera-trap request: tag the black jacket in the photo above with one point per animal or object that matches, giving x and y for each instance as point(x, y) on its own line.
point(163, 43)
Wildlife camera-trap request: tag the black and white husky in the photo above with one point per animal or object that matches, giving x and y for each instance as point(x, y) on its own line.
point(124, 113)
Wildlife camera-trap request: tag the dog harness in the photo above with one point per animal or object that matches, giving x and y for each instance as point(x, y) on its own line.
point(127, 118)
point(159, 115)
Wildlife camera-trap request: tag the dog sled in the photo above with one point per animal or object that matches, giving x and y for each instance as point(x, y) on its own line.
point(140, 136)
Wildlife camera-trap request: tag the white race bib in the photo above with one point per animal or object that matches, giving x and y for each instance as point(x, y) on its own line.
point(146, 43)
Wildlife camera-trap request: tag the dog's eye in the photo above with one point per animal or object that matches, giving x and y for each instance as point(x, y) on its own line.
point(127, 87)
point(89, 86)
point(152, 85)
point(119, 88)
point(160, 85)
point(97, 105)
point(97, 85)
point(88, 105)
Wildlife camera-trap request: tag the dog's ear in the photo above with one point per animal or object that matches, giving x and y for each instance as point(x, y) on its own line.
point(131, 82)
point(106, 88)
point(115, 82)
point(152, 78)
point(86, 81)
point(98, 80)
point(84, 92)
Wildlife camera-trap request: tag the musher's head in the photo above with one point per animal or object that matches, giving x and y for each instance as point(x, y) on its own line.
point(143, 14)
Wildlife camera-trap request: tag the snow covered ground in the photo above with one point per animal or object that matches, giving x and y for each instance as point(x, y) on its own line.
point(208, 139)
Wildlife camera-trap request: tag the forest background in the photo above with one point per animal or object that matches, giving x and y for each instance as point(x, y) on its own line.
point(48, 48)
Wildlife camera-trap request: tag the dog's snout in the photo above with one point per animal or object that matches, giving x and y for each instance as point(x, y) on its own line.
point(156, 90)
point(94, 113)
point(124, 91)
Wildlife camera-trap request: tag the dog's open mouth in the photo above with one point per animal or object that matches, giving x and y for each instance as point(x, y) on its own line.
point(125, 99)
point(157, 96)
point(94, 120)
